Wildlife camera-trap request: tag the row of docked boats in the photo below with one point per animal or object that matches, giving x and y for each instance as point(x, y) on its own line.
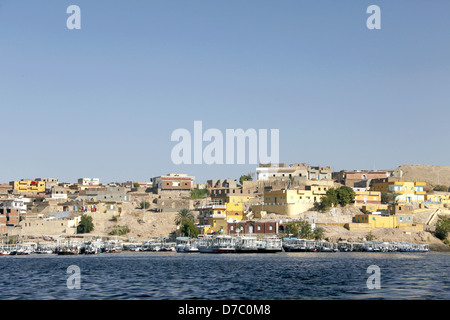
point(229, 244)
point(306, 245)
point(214, 244)
point(13, 250)
point(249, 244)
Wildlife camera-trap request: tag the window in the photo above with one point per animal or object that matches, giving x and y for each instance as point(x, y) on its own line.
point(258, 228)
point(231, 228)
point(270, 227)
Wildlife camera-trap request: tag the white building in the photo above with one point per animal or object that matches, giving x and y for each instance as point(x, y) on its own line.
point(89, 181)
point(19, 204)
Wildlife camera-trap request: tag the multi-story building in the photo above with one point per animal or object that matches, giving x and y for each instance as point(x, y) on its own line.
point(19, 204)
point(49, 182)
point(27, 186)
point(364, 196)
point(212, 218)
point(231, 195)
point(319, 173)
point(235, 212)
point(295, 172)
point(407, 191)
point(281, 171)
point(290, 201)
point(438, 197)
point(350, 178)
point(89, 181)
point(173, 182)
point(114, 194)
point(9, 218)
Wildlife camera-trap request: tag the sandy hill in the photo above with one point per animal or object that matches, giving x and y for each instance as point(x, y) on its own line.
point(425, 173)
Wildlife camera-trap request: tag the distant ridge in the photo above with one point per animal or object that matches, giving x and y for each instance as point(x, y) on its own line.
point(432, 175)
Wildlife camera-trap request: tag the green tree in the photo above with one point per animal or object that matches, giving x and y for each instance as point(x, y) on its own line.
point(291, 228)
point(345, 195)
point(305, 230)
point(188, 228)
point(86, 225)
point(184, 215)
point(247, 177)
point(324, 205)
point(332, 195)
point(300, 229)
point(442, 227)
point(318, 233)
point(136, 184)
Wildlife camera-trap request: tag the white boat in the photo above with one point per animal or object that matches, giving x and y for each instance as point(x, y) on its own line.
point(219, 244)
point(247, 244)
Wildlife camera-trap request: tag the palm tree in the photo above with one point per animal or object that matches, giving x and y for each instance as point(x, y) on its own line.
point(183, 216)
point(318, 233)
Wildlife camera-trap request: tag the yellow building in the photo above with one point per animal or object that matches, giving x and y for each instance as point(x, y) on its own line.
point(369, 208)
point(229, 198)
point(27, 185)
point(442, 197)
point(377, 220)
point(235, 211)
point(366, 222)
point(372, 197)
point(212, 218)
point(290, 201)
point(408, 192)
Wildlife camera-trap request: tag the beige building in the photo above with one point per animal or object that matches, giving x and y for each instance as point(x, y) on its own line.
point(48, 226)
point(290, 202)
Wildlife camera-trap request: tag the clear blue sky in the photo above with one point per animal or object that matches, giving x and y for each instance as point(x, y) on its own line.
point(103, 101)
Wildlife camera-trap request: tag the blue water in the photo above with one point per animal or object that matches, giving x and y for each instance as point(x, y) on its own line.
point(178, 276)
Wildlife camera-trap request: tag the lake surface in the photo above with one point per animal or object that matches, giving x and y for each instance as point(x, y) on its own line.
point(180, 276)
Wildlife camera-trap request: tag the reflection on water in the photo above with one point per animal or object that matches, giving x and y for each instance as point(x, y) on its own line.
point(176, 276)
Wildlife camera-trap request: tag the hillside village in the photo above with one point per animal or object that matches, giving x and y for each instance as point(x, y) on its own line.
point(402, 204)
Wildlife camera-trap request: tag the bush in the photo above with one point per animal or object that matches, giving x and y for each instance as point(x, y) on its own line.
point(144, 205)
point(136, 184)
point(442, 228)
point(441, 188)
point(120, 231)
point(199, 193)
